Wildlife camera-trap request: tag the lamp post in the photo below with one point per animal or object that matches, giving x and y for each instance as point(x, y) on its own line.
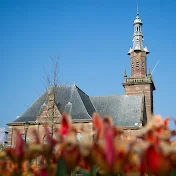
point(26, 126)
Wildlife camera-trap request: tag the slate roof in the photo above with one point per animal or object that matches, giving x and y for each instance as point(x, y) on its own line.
point(125, 111)
point(31, 113)
point(67, 98)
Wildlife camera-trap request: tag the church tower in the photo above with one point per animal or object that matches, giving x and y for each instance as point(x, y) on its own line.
point(140, 82)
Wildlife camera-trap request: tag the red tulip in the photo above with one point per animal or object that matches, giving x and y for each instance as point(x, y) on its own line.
point(109, 147)
point(65, 125)
point(98, 126)
point(152, 159)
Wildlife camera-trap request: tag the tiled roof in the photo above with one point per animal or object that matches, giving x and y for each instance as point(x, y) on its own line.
point(125, 111)
point(67, 98)
point(31, 113)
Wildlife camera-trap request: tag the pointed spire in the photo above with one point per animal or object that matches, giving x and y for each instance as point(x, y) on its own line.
point(137, 20)
point(125, 75)
point(137, 36)
point(137, 10)
point(149, 74)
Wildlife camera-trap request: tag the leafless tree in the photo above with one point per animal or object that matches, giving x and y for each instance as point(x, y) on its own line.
point(52, 77)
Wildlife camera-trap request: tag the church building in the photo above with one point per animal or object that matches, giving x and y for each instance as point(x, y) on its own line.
point(130, 111)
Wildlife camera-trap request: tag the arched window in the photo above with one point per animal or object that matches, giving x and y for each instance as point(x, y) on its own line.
point(25, 138)
point(137, 65)
point(132, 66)
point(143, 66)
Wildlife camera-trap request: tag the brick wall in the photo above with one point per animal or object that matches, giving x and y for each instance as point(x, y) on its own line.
point(85, 127)
point(138, 64)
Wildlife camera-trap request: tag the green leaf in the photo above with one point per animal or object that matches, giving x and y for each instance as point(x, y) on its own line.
point(61, 169)
point(84, 172)
point(172, 173)
point(93, 171)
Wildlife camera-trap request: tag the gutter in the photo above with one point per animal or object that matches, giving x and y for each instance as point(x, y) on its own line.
point(36, 123)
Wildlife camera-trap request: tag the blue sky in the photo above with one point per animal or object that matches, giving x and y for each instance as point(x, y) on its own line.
point(92, 38)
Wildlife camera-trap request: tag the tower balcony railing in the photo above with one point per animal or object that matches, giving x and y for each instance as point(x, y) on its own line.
point(138, 80)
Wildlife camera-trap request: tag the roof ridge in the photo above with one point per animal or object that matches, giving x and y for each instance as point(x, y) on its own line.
point(93, 104)
point(81, 90)
point(64, 86)
point(82, 100)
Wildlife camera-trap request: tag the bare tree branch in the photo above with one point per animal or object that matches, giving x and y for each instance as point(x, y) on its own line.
point(55, 70)
point(54, 76)
point(47, 78)
point(51, 78)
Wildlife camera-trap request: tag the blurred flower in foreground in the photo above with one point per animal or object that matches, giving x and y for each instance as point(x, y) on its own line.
point(106, 150)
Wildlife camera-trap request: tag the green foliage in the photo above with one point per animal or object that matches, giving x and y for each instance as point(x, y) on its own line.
point(173, 173)
point(61, 169)
point(92, 172)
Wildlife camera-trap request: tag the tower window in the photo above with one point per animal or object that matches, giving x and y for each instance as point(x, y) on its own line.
point(132, 66)
point(137, 65)
point(143, 66)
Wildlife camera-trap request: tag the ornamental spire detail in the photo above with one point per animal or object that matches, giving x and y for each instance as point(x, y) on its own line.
point(137, 35)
